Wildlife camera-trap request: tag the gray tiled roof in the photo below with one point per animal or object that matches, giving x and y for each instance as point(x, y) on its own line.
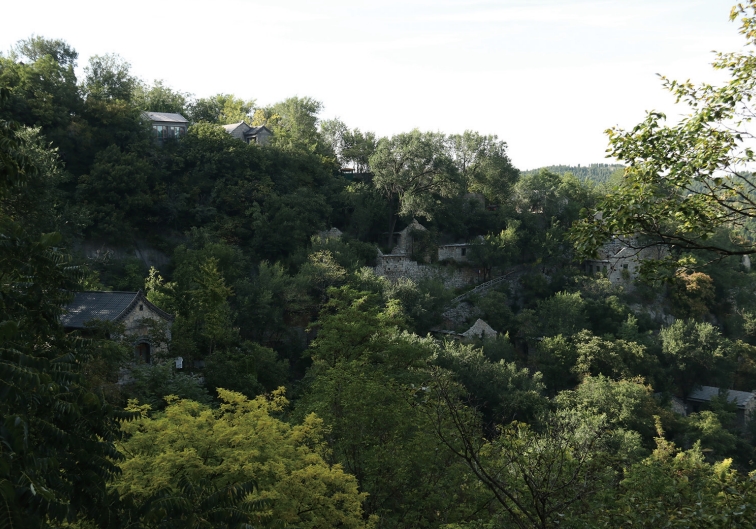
point(87, 306)
point(256, 130)
point(233, 126)
point(104, 306)
point(166, 116)
point(706, 393)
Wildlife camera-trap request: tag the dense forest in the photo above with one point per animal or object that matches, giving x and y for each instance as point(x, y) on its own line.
point(315, 392)
point(600, 173)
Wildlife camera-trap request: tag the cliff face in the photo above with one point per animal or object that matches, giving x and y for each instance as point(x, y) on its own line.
point(139, 249)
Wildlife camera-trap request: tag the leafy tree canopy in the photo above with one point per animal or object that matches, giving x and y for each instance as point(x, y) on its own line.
point(686, 181)
point(239, 443)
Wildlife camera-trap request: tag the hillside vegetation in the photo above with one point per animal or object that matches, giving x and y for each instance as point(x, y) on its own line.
point(599, 173)
point(313, 392)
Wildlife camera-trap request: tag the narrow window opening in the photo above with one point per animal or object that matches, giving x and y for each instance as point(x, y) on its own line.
point(142, 353)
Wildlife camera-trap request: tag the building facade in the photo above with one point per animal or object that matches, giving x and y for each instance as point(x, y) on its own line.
point(167, 125)
point(248, 134)
point(138, 316)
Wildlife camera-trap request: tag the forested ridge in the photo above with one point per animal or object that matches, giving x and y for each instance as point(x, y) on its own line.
point(313, 392)
point(599, 173)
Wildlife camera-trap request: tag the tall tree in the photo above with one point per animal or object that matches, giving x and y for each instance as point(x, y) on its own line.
point(484, 164)
point(56, 440)
point(686, 181)
point(36, 47)
point(351, 146)
point(108, 77)
point(199, 458)
point(411, 170)
point(294, 122)
point(696, 354)
point(538, 477)
point(158, 97)
point(43, 90)
point(365, 384)
point(222, 109)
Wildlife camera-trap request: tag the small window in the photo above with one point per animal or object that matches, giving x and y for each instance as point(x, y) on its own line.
point(624, 266)
point(142, 353)
point(464, 252)
point(141, 307)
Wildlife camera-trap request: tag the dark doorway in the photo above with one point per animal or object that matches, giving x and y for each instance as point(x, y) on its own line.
point(142, 353)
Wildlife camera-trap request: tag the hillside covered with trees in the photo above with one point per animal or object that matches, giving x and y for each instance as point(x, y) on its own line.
point(296, 386)
point(600, 173)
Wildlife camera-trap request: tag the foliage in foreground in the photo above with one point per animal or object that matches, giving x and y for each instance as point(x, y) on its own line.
point(239, 443)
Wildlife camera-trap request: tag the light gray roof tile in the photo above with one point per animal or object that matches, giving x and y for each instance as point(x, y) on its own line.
point(706, 393)
point(166, 116)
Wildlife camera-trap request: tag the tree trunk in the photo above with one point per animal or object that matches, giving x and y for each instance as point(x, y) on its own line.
point(391, 226)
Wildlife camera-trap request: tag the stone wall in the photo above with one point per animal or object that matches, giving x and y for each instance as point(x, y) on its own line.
point(454, 252)
point(394, 267)
point(135, 321)
point(623, 266)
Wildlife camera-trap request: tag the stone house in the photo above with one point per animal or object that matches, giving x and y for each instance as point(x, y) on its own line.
point(167, 125)
point(459, 252)
point(404, 241)
point(404, 244)
point(480, 329)
point(132, 309)
point(248, 134)
point(744, 400)
point(327, 235)
point(399, 263)
point(620, 261)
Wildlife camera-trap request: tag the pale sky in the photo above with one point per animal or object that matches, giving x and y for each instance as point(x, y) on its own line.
point(546, 76)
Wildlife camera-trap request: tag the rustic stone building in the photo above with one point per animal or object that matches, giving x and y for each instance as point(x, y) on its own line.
point(248, 134)
point(744, 400)
point(479, 329)
point(327, 235)
point(399, 263)
point(620, 261)
point(132, 309)
point(459, 252)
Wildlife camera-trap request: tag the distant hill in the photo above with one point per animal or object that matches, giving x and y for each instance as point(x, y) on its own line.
point(596, 172)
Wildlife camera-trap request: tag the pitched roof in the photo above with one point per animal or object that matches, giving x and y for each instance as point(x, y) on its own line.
point(414, 225)
point(233, 126)
point(706, 393)
point(257, 130)
point(166, 116)
point(104, 306)
point(480, 329)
